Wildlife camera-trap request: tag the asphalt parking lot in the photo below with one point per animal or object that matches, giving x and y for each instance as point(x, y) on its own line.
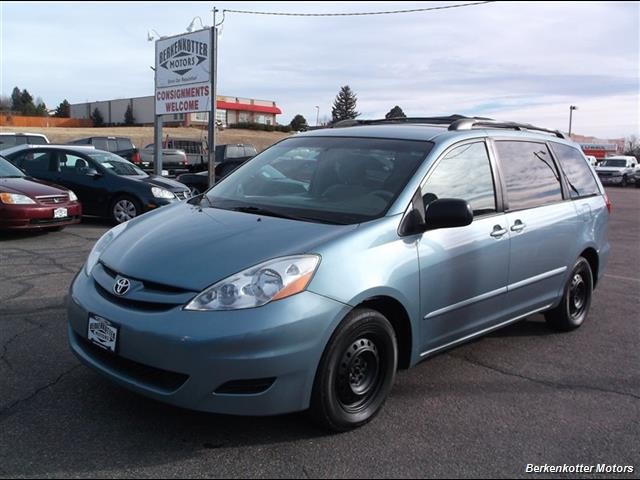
point(522, 395)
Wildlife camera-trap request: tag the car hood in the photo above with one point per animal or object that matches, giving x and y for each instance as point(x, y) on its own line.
point(171, 185)
point(190, 247)
point(30, 186)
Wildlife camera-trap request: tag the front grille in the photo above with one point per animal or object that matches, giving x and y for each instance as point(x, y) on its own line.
point(134, 304)
point(51, 221)
point(151, 286)
point(157, 378)
point(52, 199)
point(182, 195)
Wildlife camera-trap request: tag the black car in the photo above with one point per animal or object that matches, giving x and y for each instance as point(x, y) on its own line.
point(107, 185)
point(228, 158)
point(121, 146)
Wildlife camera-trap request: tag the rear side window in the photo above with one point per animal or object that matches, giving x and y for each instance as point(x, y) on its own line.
point(579, 174)
point(36, 163)
point(124, 144)
point(235, 151)
point(464, 173)
point(531, 176)
point(34, 140)
point(100, 143)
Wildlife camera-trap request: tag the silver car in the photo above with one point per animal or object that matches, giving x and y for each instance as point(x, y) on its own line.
point(309, 275)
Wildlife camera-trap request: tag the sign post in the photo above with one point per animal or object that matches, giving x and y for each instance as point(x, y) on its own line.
point(184, 72)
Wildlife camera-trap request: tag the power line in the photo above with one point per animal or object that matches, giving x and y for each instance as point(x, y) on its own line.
point(354, 14)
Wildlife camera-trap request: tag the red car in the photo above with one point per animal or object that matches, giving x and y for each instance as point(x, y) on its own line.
point(27, 203)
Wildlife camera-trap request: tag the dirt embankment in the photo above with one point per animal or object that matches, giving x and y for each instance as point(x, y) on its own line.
point(142, 136)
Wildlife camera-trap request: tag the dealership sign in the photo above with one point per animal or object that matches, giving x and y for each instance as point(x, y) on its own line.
point(183, 73)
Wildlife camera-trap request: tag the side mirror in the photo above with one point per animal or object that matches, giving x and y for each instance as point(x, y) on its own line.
point(448, 213)
point(91, 172)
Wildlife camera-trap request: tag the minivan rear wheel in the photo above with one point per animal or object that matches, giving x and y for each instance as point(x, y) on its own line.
point(576, 300)
point(356, 372)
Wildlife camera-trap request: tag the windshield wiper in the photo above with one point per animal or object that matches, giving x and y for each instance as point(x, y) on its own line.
point(265, 211)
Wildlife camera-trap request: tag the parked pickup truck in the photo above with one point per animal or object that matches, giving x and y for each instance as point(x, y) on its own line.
point(618, 170)
point(121, 146)
point(228, 158)
point(174, 161)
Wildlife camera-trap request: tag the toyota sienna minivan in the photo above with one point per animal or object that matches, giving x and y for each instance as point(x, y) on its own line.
point(306, 278)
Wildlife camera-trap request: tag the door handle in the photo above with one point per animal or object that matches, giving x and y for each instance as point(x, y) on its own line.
point(518, 226)
point(498, 231)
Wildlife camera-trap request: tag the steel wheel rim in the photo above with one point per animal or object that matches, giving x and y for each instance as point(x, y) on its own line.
point(124, 210)
point(577, 294)
point(359, 375)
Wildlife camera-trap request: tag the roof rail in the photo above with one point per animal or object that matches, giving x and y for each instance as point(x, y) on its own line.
point(417, 120)
point(470, 123)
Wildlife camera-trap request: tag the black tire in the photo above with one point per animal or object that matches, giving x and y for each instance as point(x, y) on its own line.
point(124, 208)
point(55, 229)
point(576, 299)
point(624, 181)
point(356, 372)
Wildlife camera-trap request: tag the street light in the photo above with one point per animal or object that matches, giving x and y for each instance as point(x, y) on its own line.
point(151, 37)
point(317, 114)
point(571, 109)
point(193, 24)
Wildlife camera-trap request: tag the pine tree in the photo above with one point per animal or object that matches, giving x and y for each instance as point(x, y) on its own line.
point(395, 112)
point(344, 106)
point(298, 123)
point(96, 116)
point(16, 100)
point(26, 100)
point(63, 110)
point(128, 116)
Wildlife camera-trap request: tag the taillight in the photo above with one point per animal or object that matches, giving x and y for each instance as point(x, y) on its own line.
point(135, 158)
point(608, 202)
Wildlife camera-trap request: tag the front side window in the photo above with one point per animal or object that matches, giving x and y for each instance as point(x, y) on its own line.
point(323, 179)
point(531, 177)
point(464, 173)
point(579, 175)
point(71, 164)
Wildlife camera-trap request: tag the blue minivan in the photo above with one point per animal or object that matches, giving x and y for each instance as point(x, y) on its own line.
point(306, 278)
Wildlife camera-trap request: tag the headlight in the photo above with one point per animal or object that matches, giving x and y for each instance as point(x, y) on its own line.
point(161, 193)
point(16, 199)
point(101, 245)
point(72, 196)
point(256, 286)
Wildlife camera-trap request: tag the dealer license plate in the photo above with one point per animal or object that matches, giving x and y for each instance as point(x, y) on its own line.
point(60, 213)
point(103, 333)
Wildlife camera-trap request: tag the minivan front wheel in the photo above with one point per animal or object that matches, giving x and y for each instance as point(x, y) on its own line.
point(356, 372)
point(124, 208)
point(576, 300)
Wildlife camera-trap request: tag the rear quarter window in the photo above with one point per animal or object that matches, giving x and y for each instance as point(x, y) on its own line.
point(582, 182)
point(36, 140)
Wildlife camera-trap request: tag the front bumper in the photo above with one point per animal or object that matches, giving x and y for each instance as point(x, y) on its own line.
point(201, 351)
point(25, 217)
point(610, 180)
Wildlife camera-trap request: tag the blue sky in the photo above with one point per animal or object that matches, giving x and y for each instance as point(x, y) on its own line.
point(524, 61)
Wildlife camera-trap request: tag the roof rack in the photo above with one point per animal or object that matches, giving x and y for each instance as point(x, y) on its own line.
point(454, 122)
point(470, 123)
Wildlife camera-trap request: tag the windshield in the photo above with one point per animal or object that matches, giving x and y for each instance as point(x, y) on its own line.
point(324, 179)
point(613, 163)
point(116, 164)
point(9, 171)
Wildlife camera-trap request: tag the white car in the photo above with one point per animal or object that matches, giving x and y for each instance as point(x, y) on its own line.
point(11, 139)
point(618, 170)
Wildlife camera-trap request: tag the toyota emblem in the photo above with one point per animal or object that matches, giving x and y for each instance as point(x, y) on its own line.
point(121, 287)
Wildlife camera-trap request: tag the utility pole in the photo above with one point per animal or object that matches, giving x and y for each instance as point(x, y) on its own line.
point(214, 100)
